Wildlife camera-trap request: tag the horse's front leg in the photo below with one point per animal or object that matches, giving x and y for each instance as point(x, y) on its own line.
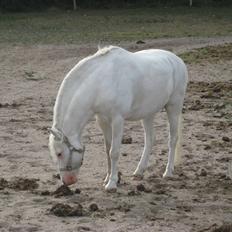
point(148, 130)
point(117, 132)
point(107, 133)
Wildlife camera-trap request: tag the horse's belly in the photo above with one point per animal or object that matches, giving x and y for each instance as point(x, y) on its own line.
point(145, 108)
point(149, 101)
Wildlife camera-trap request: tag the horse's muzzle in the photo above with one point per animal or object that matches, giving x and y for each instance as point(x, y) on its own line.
point(69, 178)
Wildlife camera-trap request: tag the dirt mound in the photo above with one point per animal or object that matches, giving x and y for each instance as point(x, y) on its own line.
point(19, 184)
point(63, 190)
point(65, 210)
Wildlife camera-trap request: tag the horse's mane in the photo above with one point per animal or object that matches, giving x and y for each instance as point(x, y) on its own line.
point(101, 52)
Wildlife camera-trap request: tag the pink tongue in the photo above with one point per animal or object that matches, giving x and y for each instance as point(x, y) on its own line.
point(69, 179)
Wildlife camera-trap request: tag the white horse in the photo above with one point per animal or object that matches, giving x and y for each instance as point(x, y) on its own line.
point(116, 85)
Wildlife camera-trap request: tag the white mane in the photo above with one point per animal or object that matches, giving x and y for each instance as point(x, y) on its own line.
point(101, 52)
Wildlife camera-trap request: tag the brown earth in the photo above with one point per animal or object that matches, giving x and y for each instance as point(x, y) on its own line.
point(198, 197)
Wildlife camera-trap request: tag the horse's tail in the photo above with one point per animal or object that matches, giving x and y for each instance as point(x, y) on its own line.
point(178, 150)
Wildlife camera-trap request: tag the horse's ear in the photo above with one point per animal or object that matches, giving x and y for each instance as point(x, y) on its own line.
point(56, 134)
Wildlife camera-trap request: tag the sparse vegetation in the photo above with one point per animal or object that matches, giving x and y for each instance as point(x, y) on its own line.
point(99, 26)
point(210, 54)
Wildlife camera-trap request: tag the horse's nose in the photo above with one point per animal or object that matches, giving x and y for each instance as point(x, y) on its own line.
point(69, 179)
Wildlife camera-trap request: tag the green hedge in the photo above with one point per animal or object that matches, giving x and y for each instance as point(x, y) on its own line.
point(28, 5)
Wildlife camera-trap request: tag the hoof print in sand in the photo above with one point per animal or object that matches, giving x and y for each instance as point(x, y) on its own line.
point(223, 228)
point(127, 140)
point(3, 183)
point(93, 207)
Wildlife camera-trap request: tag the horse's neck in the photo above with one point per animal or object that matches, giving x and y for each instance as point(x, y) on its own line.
point(76, 117)
point(73, 106)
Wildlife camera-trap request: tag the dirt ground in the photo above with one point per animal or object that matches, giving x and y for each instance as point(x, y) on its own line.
point(199, 196)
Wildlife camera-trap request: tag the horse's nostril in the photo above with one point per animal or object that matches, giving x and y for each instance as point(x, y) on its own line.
point(69, 179)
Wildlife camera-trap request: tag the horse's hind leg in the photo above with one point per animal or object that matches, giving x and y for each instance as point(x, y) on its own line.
point(148, 130)
point(174, 113)
point(107, 133)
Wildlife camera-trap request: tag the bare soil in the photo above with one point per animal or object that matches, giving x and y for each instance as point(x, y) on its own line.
point(199, 196)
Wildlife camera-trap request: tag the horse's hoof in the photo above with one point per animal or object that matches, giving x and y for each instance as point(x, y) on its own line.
point(167, 174)
point(111, 187)
point(112, 190)
point(137, 177)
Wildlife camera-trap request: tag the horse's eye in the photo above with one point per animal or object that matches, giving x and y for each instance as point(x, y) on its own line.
point(59, 155)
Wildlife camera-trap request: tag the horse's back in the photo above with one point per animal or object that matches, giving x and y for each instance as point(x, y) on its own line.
point(165, 60)
point(169, 63)
point(140, 83)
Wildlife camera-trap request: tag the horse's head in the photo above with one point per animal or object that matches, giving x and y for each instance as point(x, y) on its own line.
point(67, 154)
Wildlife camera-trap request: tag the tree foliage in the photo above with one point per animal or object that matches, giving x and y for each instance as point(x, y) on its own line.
point(27, 5)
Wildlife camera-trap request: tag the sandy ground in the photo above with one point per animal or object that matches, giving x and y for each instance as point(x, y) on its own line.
point(199, 196)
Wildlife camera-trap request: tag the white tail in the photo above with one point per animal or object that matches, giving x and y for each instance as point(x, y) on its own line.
point(178, 150)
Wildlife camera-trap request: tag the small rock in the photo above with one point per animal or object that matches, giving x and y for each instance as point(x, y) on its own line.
point(197, 105)
point(45, 193)
point(77, 191)
point(77, 211)
point(160, 192)
point(141, 188)
point(131, 193)
point(222, 176)
point(127, 140)
point(207, 147)
point(56, 176)
point(140, 42)
point(203, 172)
point(83, 228)
point(147, 190)
point(93, 207)
point(152, 203)
point(226, 139)
point(217, 89)
point(4, 105)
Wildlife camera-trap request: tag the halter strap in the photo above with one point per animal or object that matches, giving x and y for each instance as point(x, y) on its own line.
point(71, 150)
